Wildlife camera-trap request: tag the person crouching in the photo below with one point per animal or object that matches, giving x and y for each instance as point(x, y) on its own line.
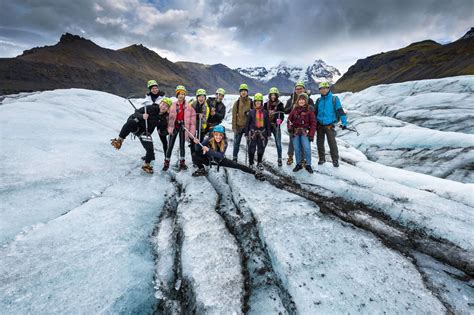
point(212, 151)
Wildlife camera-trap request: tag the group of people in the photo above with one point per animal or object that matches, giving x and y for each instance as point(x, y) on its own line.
point(198, 123)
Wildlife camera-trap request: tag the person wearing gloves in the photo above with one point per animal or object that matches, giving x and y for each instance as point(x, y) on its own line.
point(302, 125)
point(329, 112)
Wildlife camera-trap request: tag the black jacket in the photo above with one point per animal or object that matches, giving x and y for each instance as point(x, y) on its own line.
point(155, 119)
point(220, 111)
point(279, 108)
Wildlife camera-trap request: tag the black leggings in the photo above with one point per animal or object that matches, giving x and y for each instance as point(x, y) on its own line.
point(257, 144)
point(164, 142)
point(182, 139)
point(201, 159)
point(131, 126)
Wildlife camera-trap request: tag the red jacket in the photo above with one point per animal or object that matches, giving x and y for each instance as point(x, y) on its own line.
point(302, 120)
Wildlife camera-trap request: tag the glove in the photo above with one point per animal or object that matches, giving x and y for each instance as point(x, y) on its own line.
point(311, 139)
point(291, 130)
point(279, 121)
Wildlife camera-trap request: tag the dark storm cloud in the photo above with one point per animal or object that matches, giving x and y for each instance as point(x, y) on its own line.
point(258, 31)
point(306, 23)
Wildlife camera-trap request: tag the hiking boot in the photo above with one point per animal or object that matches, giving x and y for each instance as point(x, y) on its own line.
point(147, 168)
point(309, 169)
point(259, 176)
point(321, 162)
point(289, 161)
point(166, 165)
point(280, 163)
point(297, 168)
point(252, 167)
point(335, 163)
point(117, 143)
point(260, 167)
point(182, 165)
point(200, 172)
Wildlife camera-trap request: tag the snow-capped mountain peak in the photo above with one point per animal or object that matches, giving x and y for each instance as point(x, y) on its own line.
point(313, 74)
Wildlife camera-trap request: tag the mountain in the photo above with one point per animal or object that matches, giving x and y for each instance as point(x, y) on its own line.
point(76, 62)
point(422, 60)
point(284, 76)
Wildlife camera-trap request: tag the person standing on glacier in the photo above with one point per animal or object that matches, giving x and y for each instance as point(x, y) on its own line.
point(257, 131)
point(217, 107)
point(302, 125)
point(329, 112)
point(275, 109)
point(290, 104)
point(239, 117)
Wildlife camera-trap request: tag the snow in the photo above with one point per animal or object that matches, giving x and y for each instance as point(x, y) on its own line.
point(392, 142)
point(74, 222)
point(210, 258)
point(95, 258)
point(319, 71)
point(340, 271)
point(84, 230)
point(442, 104)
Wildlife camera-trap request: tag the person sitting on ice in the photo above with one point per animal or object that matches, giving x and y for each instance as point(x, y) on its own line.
point(212, 152)
point(141, 124)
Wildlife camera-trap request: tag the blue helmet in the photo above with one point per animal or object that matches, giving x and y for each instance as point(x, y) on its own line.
point(218, 128)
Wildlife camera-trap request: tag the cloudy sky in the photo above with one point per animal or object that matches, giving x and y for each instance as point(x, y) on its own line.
point(238, 33)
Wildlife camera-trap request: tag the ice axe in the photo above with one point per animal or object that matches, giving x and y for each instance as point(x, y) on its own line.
point(353, 129)
point(185, 129)
point(144, 137)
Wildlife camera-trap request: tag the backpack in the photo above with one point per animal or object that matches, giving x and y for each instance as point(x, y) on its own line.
point(338, 117)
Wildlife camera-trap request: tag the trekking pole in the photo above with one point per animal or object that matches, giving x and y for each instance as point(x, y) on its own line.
point(247, 150)
point(185, 129)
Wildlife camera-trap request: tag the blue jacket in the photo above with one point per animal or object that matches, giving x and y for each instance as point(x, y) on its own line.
point(325, 114)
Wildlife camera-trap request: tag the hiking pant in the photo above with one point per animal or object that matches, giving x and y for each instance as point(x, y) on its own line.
point(330, 133)
point(291, 147)
point(182, 138)
point(301, 143)
point(164, 141)
point(257, 143)
point(237, 139)
point(150, 152)
point(277, 135)
point(131, 126)
point(202, 159)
